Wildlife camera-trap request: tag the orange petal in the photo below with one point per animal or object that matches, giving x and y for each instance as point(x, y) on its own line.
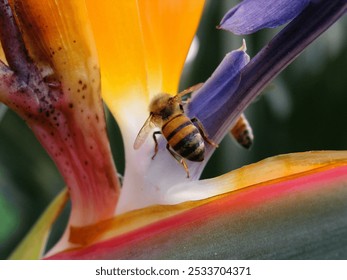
point(119, 41)
point(168, 29)
point(2, 55)
point(290, 217)
point(136, 55)
point(272, 171)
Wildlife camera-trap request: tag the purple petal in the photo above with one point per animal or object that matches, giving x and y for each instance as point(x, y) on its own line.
point(217, 90)
point(226, 104)
point(250, 15)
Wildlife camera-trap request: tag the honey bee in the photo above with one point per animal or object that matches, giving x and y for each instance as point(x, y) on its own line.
point(184, 139)
point(242, 132)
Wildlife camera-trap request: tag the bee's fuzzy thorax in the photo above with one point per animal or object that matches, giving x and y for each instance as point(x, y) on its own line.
point(159, 102)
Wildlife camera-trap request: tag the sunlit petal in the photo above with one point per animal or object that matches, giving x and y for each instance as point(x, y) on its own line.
point(168, 28)
point(118, 37)
point(275, 168)
point(272, 219)
point(137, 61)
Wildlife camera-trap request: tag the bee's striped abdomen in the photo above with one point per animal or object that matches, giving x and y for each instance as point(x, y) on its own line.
point(184, 138)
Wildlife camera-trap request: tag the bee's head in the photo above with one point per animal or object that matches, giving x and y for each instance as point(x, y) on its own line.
point(164, 105)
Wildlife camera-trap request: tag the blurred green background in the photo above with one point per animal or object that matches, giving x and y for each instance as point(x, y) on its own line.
point(303, 109)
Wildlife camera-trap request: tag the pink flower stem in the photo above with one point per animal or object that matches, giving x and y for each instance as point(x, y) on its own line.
point(72, 130)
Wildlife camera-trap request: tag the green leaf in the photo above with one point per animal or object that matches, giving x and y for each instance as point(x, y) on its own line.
point(8, 217)
point(3, 110)
point(33, 244)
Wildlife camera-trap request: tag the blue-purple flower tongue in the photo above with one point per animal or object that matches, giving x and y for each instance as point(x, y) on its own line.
point(210, 104)
point(236, 83)
point(252, 15)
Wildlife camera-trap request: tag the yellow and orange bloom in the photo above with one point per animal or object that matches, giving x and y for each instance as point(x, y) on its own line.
point(124, 48)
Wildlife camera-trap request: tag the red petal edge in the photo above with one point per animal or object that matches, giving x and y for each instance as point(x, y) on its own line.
point(229, 204)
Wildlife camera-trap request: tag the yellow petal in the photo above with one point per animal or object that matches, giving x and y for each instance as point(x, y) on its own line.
point(2, 55)
point(275, 168)
point(168, 28)
point(136, 54)
point(120, 48)
point(269, 171)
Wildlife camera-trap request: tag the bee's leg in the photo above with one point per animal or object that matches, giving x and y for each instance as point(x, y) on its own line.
point(121, 178)
point(156, 143)
point(189, 90)
point(186, 92)
point(203, 132)
point(185, 102)
point(179, 158)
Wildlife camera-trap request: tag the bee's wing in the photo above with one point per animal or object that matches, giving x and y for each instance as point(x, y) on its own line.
point(143, 133)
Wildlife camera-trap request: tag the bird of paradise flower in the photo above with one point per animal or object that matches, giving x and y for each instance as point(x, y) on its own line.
point(51, 79)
